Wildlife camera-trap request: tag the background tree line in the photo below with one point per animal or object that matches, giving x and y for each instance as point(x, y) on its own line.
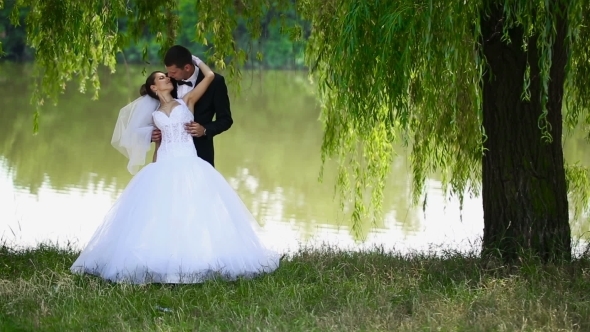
point(280, 52)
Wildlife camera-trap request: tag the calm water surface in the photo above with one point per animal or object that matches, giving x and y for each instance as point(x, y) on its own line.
point(57, 185)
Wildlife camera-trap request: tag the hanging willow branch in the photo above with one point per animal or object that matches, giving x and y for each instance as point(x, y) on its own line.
point(71, 39)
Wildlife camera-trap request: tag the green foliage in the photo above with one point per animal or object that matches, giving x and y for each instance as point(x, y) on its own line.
point(274, 42)
point(1, 7)
point(577, 90)
point(12, 36)
point(218, 21)
point(412, 71)
point(395, 70)
point(86, 36)
point(578, 181)
point(388, 71)
point(71, 39)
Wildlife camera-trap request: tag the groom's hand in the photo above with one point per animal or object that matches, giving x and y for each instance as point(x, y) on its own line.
point(156, 135)
point(195, 129)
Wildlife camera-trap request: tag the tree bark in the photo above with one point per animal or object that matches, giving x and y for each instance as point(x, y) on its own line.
point(523, 184)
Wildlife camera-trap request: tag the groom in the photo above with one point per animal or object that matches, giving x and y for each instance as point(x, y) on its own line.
point(215, 102)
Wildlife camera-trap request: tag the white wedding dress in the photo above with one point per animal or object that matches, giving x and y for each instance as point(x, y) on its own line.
point(177, 221)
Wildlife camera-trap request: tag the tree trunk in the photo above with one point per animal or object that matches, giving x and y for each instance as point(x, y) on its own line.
point(524, 189)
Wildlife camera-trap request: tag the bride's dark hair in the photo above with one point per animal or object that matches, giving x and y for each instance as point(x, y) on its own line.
point(151, 80)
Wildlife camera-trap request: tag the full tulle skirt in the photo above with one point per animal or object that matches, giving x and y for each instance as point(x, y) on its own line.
point(178, 221)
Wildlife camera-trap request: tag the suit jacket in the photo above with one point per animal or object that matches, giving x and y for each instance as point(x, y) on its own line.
point(213, 104)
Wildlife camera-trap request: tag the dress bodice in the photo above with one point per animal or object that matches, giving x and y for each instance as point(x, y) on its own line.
point(176, 142)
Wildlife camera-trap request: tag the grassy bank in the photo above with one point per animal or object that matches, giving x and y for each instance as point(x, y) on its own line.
point(315, 290)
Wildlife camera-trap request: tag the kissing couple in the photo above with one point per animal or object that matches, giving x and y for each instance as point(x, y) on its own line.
point(178, 220)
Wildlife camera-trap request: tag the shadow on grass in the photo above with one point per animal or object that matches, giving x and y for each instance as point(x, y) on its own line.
point(313, 289)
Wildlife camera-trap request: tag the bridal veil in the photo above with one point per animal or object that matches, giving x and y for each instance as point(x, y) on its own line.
point(133, 131)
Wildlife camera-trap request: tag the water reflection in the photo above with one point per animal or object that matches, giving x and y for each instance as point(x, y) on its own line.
point(58, 184)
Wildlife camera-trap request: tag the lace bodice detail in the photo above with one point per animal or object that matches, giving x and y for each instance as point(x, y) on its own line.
point(176, 142)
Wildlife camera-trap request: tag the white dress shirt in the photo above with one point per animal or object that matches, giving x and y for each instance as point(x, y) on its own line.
point(184, 89)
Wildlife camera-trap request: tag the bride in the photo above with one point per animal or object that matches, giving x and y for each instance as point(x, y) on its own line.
point(178, 220)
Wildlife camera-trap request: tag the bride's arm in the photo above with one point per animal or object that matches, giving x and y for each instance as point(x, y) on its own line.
point(191, 98)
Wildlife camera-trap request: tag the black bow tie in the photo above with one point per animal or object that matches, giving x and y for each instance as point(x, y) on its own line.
point(189, 83)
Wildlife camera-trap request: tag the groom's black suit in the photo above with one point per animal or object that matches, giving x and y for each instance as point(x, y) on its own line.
point(215, 102)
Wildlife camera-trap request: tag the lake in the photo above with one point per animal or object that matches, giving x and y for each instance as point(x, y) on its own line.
point(56, 186)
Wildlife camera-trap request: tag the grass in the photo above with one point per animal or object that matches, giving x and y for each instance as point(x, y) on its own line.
point(314, 290)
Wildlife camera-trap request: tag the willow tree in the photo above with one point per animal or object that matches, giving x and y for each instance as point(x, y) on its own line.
point(476, 89)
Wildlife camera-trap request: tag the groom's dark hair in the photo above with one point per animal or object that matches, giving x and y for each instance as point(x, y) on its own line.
point(178, 56)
